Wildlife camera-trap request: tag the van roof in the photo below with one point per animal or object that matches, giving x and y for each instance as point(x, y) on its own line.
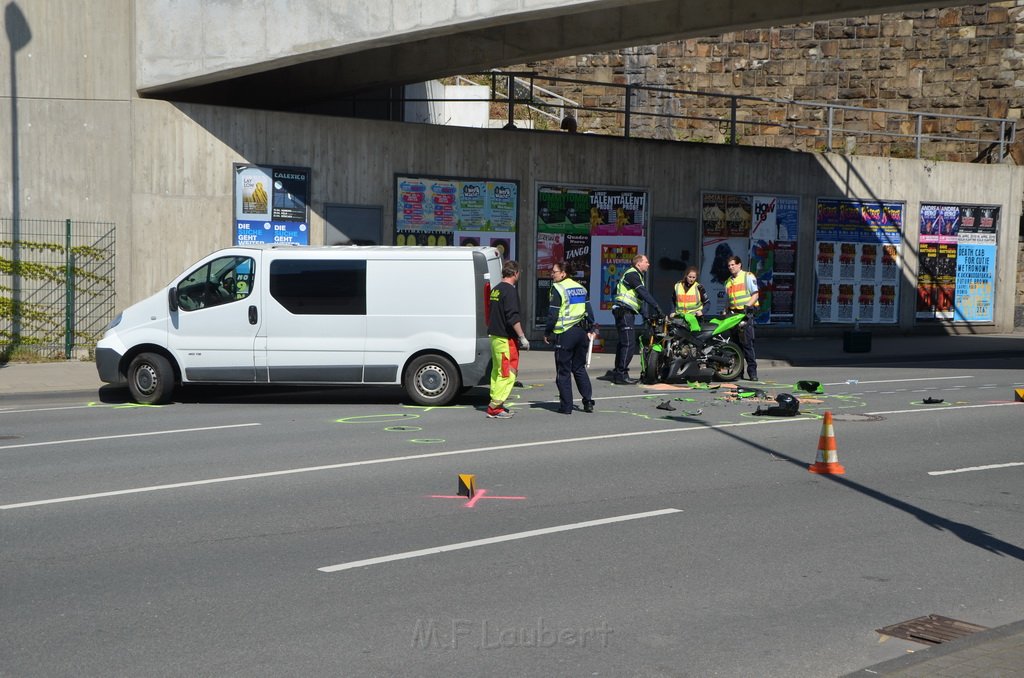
point(411, 251)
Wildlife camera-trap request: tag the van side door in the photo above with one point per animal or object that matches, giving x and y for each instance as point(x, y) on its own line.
point(213, 330)
point(315, 315)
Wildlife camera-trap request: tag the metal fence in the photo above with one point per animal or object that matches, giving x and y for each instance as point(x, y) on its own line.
point(56, 285)
point(651, 112)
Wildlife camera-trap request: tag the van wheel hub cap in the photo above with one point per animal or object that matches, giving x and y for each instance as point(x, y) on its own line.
point(432, 380)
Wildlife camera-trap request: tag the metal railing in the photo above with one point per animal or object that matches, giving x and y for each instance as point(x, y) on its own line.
point(645, 111)
point(56, 285)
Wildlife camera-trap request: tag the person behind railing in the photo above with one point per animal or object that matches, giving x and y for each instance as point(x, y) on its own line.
point(569, 124)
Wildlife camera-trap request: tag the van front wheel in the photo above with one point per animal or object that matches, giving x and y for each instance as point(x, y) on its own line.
point(432, 380)
point(151, 379)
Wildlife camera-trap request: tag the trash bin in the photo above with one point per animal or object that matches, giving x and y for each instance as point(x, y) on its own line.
point(857, 341)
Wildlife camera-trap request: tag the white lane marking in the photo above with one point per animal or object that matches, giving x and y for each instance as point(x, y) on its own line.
point(452, 453)
point(495, 540)
point(382, 460)
point(900, 381)
point(975, 468)
point(124, 435)
point(945, 409)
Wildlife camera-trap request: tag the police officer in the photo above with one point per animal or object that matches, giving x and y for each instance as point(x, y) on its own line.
point(630, 293)
point(741, 288)
point(570, 321)
point(690, 295)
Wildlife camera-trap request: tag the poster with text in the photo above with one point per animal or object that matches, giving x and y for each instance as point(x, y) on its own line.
point(271, 205)
point(956, 270)
point(976, 264)
point(610, 258)
point(762, 231)
point(857, 247)
point(592, 229)
point(446, 211)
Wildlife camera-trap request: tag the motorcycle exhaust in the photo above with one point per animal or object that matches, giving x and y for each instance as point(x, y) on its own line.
point(696, 372)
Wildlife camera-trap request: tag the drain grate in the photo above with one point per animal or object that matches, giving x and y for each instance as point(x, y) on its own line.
point(933, 629)
point(839, 416)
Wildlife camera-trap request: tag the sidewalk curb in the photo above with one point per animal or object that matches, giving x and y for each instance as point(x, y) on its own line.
point(882, 359)
point(937, 652)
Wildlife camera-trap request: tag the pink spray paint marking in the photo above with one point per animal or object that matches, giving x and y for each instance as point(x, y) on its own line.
point(480, 494)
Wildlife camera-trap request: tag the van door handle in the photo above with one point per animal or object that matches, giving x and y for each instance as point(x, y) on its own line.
point(252, 315)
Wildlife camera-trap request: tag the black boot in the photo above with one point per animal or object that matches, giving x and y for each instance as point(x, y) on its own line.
point(588, 406)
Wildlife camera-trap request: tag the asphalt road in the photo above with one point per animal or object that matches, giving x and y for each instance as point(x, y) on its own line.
point(319, 532)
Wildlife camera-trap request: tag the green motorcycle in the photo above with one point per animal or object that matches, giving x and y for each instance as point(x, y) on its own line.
point(691, 347)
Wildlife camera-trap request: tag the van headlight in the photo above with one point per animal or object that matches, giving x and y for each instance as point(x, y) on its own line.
point(114, 323)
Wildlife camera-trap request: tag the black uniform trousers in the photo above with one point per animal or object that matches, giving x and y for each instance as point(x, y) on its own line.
point(745, 338)
point(571, 363)
point(624, 350)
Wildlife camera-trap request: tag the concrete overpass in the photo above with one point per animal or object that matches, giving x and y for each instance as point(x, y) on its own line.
point(284, 55)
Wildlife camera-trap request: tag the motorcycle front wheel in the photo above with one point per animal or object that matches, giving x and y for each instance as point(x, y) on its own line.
point(651, 366)
point(732, 368)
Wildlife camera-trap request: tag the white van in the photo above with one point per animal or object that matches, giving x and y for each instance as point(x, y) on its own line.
point(415, 316)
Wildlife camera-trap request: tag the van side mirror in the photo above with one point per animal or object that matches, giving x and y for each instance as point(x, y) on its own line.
point(172, 299)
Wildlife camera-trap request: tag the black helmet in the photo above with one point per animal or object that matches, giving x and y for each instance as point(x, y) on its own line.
point(787, 402)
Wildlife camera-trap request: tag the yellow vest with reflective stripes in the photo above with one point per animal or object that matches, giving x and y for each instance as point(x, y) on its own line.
point(687, 302)
point(574, 304)
point(736, 288)
point(626, 296)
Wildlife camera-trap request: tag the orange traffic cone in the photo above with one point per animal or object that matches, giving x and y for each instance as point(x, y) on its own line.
point(828, 460)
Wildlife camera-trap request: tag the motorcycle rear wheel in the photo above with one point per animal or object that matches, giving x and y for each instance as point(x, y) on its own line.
point(733, 369)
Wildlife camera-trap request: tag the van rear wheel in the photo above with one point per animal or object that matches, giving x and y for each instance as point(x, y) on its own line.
point(151, 379)
point(432, 380)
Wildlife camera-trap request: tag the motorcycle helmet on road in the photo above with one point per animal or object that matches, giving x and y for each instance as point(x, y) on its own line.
point(788, 402)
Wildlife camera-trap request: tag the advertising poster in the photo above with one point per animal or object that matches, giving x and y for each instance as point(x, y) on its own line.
point(614, 260)
point(976, 265)
point(715, 271)
point(577, 257)
point(783, 294)
point(956, 274)
point(762, 231)
point(610, 258)
point(857, 247)
point(783, 283)
point(446, 211)
point(596, 231)
point(271, 205)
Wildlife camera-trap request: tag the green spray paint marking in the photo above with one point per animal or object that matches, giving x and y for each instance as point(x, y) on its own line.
point(375, 418)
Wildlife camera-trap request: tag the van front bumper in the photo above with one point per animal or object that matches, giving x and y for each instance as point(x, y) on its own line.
point(108, 364)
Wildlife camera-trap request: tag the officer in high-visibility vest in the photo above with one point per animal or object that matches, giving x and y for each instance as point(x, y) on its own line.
point(742, 290)
point(570, 326)
point(630, 293)
point(690, 295)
